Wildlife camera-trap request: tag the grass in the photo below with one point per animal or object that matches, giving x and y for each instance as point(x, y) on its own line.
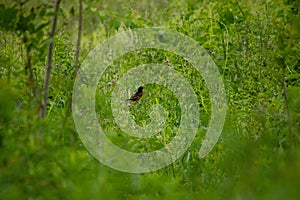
point(257, 155)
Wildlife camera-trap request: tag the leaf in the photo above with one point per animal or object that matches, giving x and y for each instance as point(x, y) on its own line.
point(102, 15)
point(295, 26)
point(8, 17)
point(113, 23)
point(50, 40)
point(72, 11)
point(42, 12)
point(40, 27)
point(227, 17)
point(51, 14)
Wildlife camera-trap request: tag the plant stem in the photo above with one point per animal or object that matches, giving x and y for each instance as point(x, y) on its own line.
point(31, 81)
point(49, 62)
point(78, 38)
point(289, 118)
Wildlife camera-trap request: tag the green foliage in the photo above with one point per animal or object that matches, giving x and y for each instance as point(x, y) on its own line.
point(255, 45)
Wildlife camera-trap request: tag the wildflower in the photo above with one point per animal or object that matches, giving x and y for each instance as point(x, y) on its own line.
point(109, 83)
point(128, 105)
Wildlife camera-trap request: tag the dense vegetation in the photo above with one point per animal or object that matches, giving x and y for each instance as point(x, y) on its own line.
point(255, 45)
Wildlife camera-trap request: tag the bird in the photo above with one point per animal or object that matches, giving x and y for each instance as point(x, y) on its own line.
point(138, 95)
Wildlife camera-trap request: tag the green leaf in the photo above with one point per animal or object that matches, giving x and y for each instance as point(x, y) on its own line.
point(42, 12)
point(102, 15)
point(227, 17)
point(8, 17)
point(113, 23)
point(295, 26)
point(50, 40)
point(40, 27)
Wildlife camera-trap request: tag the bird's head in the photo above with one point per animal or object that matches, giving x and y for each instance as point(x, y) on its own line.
point(140, 89)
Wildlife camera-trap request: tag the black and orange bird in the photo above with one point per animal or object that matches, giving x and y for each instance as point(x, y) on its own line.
point(138, 95)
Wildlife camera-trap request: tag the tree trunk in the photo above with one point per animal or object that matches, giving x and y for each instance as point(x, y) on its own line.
point(49, 62)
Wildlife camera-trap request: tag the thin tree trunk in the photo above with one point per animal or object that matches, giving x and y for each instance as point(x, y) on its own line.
point(78, 38)
point(31, 80)
point(49, 62)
